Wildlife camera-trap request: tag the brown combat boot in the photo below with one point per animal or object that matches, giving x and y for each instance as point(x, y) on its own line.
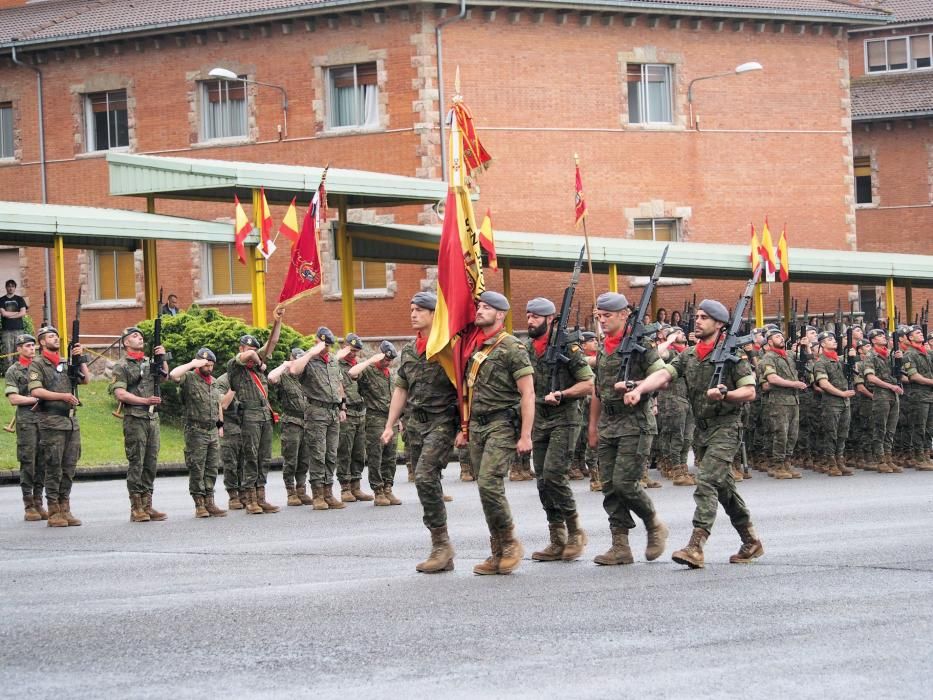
point(233, 500)
point(446, 497)
point(441, 557)
point(466, 473)
point(393, 499)
point(358, 493)
point(31, 514)
point(682, 477)
point(649, 483)
point(595, 483)
point(301, 490)
point(37, 504)
point(346, 496)
point(894, 466)
point(263, 503)
point(619, 553)
point(380, 497)
point(841, 466)
point(692, 554)
point(512, 551)
point(832, 469)
point(736, 471)
point(576, 539)
point(333, 503)
point(923, 463)
point(138, 512)
point(575, 473)
point(318, 502)
point(490, 566)
point(411, 473)
point(212, 508)
point(199, 510)
point(789, 469)
point(515, 474)
point(56, 517)
point(154, 515)
point(882, 466)
point(555, 548)
point(65, 510)
point(252, 507)
point(751, 546)
point(292, 499)
point(657, 538)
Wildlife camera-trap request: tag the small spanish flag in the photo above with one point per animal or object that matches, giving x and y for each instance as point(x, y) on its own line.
point(754, 255)
point(241, 229)
point(266, 247)
point(289, 226)
point(488, 241)
point(784, 272)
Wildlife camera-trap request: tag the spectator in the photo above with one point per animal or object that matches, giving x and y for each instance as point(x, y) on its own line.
point(170, 308)
point(12, 310)
point(661, 316)
point(677, 319)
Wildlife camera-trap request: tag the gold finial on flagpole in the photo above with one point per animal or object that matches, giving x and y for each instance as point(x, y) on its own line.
point(457, 96)
point(576, 159)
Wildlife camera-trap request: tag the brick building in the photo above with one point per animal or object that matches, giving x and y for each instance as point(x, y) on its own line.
point(545, 80)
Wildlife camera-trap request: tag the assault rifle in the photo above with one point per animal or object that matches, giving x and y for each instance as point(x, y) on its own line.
point(75, 375)
point(45, 309)
point(725, 351)
point(896, 362)
point(691, 313)
point(850, 357)
point(155, 361)
point(558, 337)
point(635, 330)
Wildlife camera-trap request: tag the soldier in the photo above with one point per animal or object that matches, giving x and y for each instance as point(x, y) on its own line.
point(860, 425)
point(31, 466)
point(320, 380)
point(375, 381)
point(673, 412)
point(423, 390)
point(133, 385)
point(885, 403)
point(204, 424)
point(583, 455)
point(624, 434)
point(501, 402)
point(829, 374)
point(808, 445)
point(717, 416)
point(296, 452)
point(466, 466)
point(781, 405)
point(918, 368)
point(556, 422)
point(352, 443)
point(246, 373)
point(231, 445)
point(59, 431)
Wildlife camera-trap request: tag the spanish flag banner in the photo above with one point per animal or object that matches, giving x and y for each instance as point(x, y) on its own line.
point(767, 252)
point(289, 226)
point(241, 229)
point(266, 246)
point(487, 241)
point(784, 271)
point(579, 203)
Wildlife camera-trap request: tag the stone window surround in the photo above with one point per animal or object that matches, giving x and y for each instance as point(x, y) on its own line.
point(659, 209)
point(101, 82)
point(87, 272)
point(8, 95)
point(870, 152)
point(651, 54)
point(344, 56)
point(328, 258)
point(200, 277)
point(193, 80)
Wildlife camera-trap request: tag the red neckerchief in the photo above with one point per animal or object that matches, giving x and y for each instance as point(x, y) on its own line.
point(831, 354)
point(678, 347)
point(921, 347)
point(539, 345)
point(421, 343)
point(882, 351)
point(135, 355)
point(612, 343)
point(25, 361)
point(780, 351)
point(385, 371)
point(591, 353)
point(481, 337)
point(208, 378)
point(705, 348)
point(52, 357)
point(324, 357)
point(350, 360)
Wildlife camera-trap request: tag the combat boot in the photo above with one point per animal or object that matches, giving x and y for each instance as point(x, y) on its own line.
point(832, 469)
point(619, 553)
point(31, 514)
point(841, 466)
point(736, 471)
point(37, 504)
point(883, 467)
point(789, 469)
point(332, 502)
point(692, 554)
point(252, 507)
point(318, 502)
point(154, 515)
point(199, 510)
point(138, 512)
point(647, 482)
point(778, 469)
point(233, 500)
point(555, 548)
point(301, 490)
point(894, 466)
point(576, 539)
point(441, 557)
point(56, 517)
point(65, 510)
point(682, 477)
point(512, 551)
point(751, 546)
point(292, 497)
point(346, 496)
point(490, 567)
point(446, 497)
point(466, 474)
point(358, 493)
point(393, 499)
point(657, 538)
point(595, 483)
point(411, 473)
point(575, 474)
point(923, 464)
point(263, 503)
point(212, 508)
point(380, 497)
point(515, 474)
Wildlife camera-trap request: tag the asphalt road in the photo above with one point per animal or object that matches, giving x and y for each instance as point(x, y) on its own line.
point(328, 604)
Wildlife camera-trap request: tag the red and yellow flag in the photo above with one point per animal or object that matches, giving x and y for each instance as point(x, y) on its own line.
point(487, 240)
point(767, 249)
point(304, 272)
point(266, 246)
point(754, 254)
point(579, 203)
point(784, 273)
point(241, 229)
point(289, 226)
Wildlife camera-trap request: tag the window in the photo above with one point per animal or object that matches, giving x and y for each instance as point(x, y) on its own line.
point(106, 120)
point(353, 96)
point(223, 109)
point(115, 275)
point(901, 53)
point(228, 276)
point(6, 129)
point(920, 51)
point(366, 276)
point(863, 180)
point(657, 229)
point(649, 93)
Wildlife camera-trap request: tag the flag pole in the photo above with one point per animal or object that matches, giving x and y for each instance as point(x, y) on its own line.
point(589, 259)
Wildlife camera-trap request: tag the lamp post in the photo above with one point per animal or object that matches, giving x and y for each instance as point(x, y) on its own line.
point(739, 70)
point(224, 74)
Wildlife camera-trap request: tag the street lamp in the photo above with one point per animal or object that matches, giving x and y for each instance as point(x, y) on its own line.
point(224, 74)
point(743, 68)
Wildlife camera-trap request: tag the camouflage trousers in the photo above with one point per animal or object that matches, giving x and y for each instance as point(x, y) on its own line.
point(492, 452)
point(551, 449)
point(429, 448)
point(808, 412)
point(884, 415)
point(621, 463)
point(322, 439)
point(202, 458)
point(836, 420)
point(672, 428)
point(859, 441)
point(783, 426)
point(920, 419)
point(257, 452)
point(296, 452)
point(31, 467)
point(583, 454)
point(689, 433)
point(715, 449)
point(60, 450)
point(231, 453)
point(902, 439)
point(380, 459)
point(141, 437)
point(351, 448)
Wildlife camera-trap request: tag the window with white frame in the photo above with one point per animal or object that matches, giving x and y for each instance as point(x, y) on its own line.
point(353, 96)
point(657, 229)
point(223, 109)
point(649, 93)
point(227, 275)
point(114, 275)
point(898, 53)
point(107, 120)
point(6, 129)
point(366, 276)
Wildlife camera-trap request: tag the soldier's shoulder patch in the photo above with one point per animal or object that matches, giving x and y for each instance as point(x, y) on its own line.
point(907, 365)
point(33, 376)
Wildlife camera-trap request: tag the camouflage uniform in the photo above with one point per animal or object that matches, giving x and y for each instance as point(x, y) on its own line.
point(834, 409)
point(352, 445)
point(885, 406)
point(430, 427)
point(256, 427)
point(495, 414)
point(31, 467)
point(919, 398)
point(201, 400)
point(296, 452)
point(583, 454)
point(231, 444)
point(673, 412)
point(780, 406)
point(320, 382)
point(860, 425)
point(141, 434)
point(375, 386)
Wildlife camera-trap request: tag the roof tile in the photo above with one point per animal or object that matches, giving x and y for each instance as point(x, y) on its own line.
point(880, 96)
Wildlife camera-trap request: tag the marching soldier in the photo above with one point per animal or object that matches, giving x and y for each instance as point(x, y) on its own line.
point(204, 424)
point(31, 466)
point(353, 441)
point(231, 445)
point(133, 385)
point(918, 368)
point(556, 421)
point(885, 404)
point(829, 374)
point(59, 431)
point(246, 374)
point(780, 405)
point(296, 452)
point(466, 467)
point(717, 415)
point(501, 399)
point(375, 381)
point(623, 434)
point(860, 424)
point(809, 410)
point(584, 456)
point(673, 412)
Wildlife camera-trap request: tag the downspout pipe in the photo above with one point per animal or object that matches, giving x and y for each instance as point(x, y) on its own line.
point(440, 80)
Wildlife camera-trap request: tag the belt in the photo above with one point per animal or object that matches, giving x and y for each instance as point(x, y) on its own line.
point(296, 416)
point(613, 409)
point(546, 410)
point(202, 424)
point(706, 423)
point(55, 411)
point(356, 406)
point(423, 416)
point(504, 414)
point(252, 404)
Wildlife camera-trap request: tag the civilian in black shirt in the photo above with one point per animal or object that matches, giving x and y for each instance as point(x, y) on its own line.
point(12, 309)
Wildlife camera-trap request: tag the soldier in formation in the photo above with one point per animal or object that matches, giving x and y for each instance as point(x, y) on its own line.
point(26, 420)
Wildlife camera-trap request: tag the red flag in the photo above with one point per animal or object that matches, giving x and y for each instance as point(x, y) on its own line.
point(579, 204)
point(289, 226)
point(475, 156)
point(241, 229)
point(487, 240)
point(304, 272)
